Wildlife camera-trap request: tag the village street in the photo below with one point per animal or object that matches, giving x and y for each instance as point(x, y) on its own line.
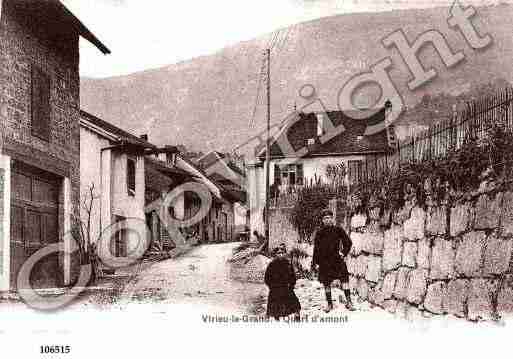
point(199, 283)
point(201, 280)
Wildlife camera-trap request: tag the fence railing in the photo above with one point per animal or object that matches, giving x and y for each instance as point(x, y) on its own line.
point(448, 134)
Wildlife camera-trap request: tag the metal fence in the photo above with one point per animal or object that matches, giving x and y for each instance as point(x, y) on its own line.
point(447, 135)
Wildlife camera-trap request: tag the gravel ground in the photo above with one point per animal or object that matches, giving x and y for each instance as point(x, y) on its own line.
point(199, 278)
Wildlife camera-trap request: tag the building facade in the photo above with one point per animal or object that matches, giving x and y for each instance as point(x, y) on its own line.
point(299, 155)
point(112, 182)
point(39, 117)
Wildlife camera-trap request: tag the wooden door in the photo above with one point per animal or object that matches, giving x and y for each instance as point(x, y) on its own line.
point(34, 224)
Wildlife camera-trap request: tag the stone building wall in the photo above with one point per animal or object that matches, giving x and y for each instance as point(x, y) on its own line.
point(25, 43)
point(22, 45)
point(449, 258)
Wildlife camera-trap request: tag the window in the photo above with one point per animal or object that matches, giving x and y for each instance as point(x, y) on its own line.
point(288, 174)
point(277, 175)
point(355, 171)
point(120, 242)
point(130, 176)
point(40, 102)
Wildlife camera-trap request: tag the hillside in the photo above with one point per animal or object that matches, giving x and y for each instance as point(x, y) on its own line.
point(206, 103)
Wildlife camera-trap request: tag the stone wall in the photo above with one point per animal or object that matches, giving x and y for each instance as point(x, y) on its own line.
point(448, 258)
point(23, 44)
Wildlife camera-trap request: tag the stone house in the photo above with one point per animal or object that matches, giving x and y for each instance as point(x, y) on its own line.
point(162, 177)
point(127, 177)
point(219, 223)
point(112, 181)
point(299, 154)
point(39, 118)
point(227, 173)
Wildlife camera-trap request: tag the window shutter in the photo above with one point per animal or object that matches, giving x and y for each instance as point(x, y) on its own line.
point(299, 173)
point(130, 173)
point(277, 175)
point(40, 117)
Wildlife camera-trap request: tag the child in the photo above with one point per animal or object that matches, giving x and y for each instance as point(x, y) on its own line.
point(330, 242)
point(281, 279)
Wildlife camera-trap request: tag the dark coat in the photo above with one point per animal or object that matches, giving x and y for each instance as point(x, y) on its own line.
point(281, 279)
point(328, 242)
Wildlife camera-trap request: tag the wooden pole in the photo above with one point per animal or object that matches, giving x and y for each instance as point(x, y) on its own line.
point(268, 145)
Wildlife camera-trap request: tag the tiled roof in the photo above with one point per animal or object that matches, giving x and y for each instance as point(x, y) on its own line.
point(350, 141)
point(108, 127)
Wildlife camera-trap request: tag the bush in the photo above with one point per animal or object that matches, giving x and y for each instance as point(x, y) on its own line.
point(311, 200)
point(461, 170)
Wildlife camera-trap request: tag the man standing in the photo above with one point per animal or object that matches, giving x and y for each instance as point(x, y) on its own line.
point(331, 246)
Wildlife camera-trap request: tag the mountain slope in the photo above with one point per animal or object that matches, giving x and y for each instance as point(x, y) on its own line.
point(206, 103)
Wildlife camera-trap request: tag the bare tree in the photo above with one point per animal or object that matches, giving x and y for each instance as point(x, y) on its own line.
point(83, 230)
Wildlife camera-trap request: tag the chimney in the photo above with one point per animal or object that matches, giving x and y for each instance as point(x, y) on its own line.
point(320, 124)
point(144, 137)
point(388, 108)
point(171, 152)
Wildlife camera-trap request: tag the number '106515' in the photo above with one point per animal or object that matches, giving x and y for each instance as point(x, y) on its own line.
point(55, 349)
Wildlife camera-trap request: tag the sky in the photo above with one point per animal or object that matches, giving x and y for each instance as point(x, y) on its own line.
point(145, 34)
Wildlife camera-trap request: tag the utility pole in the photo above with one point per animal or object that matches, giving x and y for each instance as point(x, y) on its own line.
point(268, 145)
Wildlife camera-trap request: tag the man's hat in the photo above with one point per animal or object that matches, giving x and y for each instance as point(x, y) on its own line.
point(327, 212)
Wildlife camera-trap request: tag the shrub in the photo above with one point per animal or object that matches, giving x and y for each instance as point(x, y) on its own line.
point(461, 170)
point(311, 200)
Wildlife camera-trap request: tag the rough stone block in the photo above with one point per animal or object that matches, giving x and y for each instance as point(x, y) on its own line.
point(497, 255)
point(350, 264)
point(417, 286)
point(363, 289)
point(390, 305)
point(373, 227)
point(434, 298)
point(373, 269)
point(392, 249)
point(488, 212)
point(360, 266)
point(505, 296)
point(358, 243)
point(374, 213)
point(389, 284)
point(398, 217)
point(480, 299)
point(436, 222)
point(373, 242)
point(507, 214)
point(386, 218)
point(456, 296)
point(410, 254)
point(423, 253)
point(413, 314)
point(442, 260)
point(461, 219)
point(400, 310)
point(358, 221)
point(469, 254)
point(353, 283)
point(376, 295)
point(414, 227)
point(401, 284)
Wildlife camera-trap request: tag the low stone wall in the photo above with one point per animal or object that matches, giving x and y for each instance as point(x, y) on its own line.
point(444, 259)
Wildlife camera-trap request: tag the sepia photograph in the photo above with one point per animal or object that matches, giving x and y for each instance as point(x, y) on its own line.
point(241, 178)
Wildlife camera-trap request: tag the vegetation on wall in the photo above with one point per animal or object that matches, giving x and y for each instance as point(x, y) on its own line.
point(479, 160)
point(314, 197)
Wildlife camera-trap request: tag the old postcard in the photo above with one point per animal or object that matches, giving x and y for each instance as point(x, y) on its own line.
point(244, 177)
